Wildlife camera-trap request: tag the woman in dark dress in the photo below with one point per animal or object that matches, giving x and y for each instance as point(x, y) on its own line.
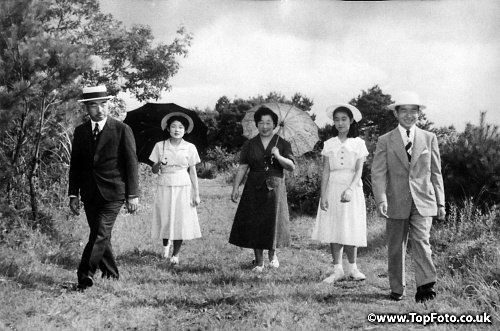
point(262, 220)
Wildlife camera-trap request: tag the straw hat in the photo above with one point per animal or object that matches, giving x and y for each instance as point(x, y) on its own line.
point(406, 98)
point(177, 113)
point(90, 93)
point(356, 114)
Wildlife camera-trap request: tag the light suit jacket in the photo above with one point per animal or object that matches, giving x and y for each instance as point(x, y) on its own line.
point(397, 181)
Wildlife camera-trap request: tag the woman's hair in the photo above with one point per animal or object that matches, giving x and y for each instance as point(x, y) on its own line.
point(353, 128)
point(184, 121)
point(263, 111)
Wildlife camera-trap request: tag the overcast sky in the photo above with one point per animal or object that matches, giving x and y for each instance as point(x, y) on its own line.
point(330, 51)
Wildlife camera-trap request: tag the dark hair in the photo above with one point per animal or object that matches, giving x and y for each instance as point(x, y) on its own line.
point(264, 111)
point(353, 128)
point(184, 121)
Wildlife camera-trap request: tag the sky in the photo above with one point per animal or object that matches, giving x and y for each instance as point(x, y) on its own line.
point(448, 52)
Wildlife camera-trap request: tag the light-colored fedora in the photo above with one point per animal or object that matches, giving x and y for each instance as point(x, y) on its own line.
point(177, 113)
point(356, 114)
point(406, 98)
point(90, 93)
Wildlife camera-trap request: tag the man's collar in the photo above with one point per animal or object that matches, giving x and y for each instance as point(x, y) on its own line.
point(100, 123)
point(403, 130)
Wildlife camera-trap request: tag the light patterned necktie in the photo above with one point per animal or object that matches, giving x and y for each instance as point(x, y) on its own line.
point(408, 146)
point(96, 131)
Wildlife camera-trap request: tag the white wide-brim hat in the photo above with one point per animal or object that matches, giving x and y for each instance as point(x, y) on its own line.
point(90, 93)
point(356, 114)
point(176, 113)
point(406, 98)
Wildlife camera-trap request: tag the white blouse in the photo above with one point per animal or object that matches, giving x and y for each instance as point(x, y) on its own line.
point(343, 156)
point(175, 161)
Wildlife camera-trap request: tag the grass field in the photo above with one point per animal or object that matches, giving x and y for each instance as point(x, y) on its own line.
point(212, 289)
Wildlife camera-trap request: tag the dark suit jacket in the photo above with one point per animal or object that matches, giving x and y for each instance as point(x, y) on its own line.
point(398, 182)
point(113, 169)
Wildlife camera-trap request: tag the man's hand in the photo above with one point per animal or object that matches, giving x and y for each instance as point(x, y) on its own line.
point(382, 209)
point(323, 204)
point(132, 205)
point(235, 195)
point(441, 213)
point(74, 205)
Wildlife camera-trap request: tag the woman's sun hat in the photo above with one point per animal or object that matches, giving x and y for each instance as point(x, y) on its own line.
point(356, 114)
point(177, 113)
point(90, 93)
point(406, 98)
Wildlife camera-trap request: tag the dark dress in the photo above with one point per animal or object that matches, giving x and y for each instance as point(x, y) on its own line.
point(262, 219)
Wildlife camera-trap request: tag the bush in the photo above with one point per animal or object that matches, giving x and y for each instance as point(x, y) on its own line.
point(467, 249)
point(304, 185)
point(471, 163)
point(217, 160)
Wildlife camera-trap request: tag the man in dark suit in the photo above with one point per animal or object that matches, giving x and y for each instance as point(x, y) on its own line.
point(104, 172)
point(408, 189)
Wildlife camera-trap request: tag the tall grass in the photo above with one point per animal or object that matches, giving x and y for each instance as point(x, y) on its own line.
point(214, 289)
point(467, 247)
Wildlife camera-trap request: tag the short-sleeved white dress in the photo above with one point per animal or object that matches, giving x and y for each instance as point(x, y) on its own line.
point(174, 217)
point(344, 222)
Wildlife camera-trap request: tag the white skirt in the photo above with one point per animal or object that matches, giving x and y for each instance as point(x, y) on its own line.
point(174, 217)
point(344, 222)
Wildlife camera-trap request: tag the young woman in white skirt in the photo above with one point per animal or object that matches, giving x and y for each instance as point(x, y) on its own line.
point(341, 218)
point(174, 213)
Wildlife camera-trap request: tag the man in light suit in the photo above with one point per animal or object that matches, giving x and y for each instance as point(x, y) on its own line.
point(408, 189)
point(104, 172)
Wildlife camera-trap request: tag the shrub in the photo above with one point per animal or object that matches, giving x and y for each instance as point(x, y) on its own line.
point(467, 249)
point(304, 185)
point(471, 163)
point(217, 160)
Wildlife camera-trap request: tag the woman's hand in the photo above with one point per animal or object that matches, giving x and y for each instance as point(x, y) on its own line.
point(156, 167)
point(323, 204)
point(195, 201)
point(235, 195)
point(275, 151)
point(346, 195)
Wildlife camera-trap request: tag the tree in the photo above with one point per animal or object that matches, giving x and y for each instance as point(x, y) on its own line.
point(38, 72)
point(48, 49)
point(229, 133)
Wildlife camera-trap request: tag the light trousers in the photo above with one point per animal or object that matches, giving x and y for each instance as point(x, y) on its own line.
point(417, 227)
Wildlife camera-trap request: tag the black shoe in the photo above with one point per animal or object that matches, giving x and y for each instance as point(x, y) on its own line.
point(85, 282)
point(396, 296)
point(425, 292)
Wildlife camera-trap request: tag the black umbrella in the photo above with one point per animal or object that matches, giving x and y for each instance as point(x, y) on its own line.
point(146, 125)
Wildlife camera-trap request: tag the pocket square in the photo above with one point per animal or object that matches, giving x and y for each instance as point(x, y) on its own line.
point(425, 151)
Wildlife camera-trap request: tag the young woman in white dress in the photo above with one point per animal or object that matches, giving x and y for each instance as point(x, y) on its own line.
point(341, 218)
point(174, 214)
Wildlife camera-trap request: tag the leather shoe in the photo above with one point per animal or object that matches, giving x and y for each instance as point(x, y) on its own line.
point(396, 296)
point(425, 292)
point(85, 282)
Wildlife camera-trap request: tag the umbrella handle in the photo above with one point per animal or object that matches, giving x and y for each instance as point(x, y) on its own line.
point(275, 144)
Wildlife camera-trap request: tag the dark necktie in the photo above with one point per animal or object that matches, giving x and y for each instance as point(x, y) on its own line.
point(96, 131)
point(408, 146)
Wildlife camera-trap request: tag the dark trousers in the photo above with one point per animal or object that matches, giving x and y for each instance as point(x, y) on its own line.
point(101, 216)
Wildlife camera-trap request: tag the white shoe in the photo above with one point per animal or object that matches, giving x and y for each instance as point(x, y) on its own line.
point(174, 260)
point(337, 275)
point(355, 274)
point(274, 263)
point(166, 251)
point(258, 269)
